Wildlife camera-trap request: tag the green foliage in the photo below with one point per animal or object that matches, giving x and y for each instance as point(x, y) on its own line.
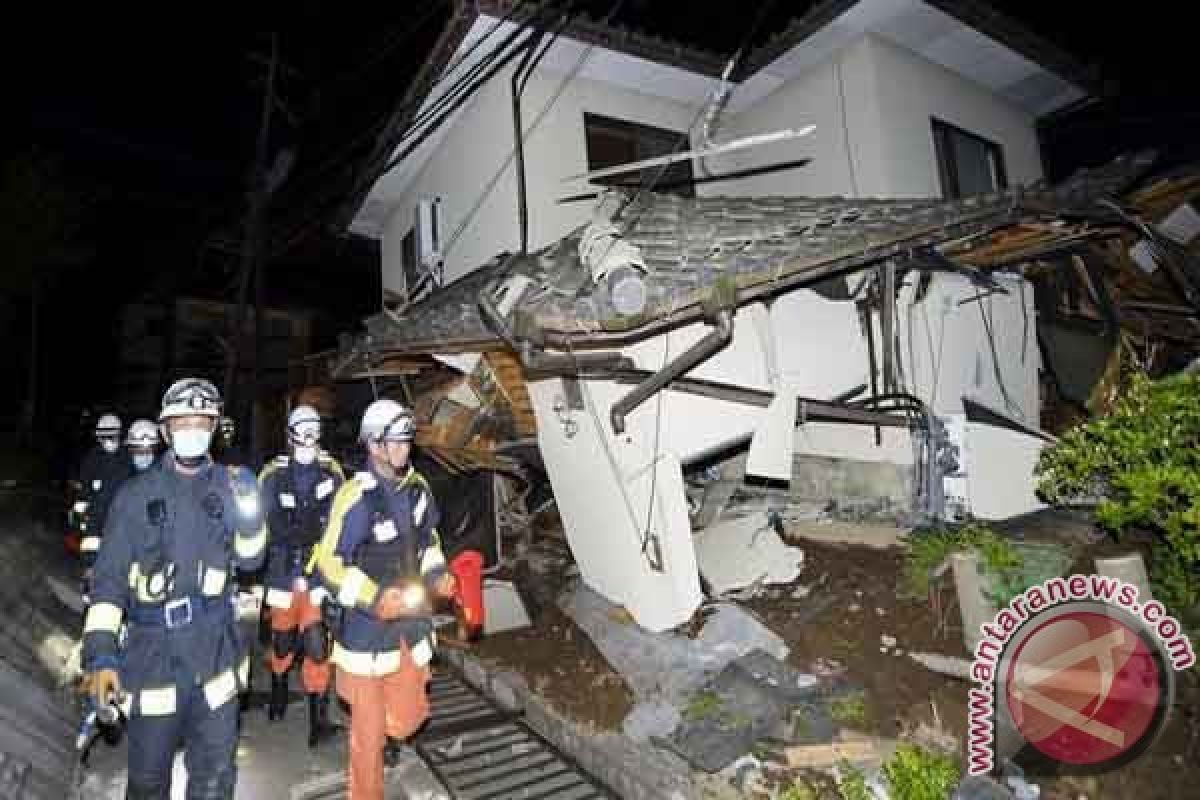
point(850, 709)
point(1002, 560)
point(702, 706)
point(799, 790)
point(914, 773)
point(852, 783)
point(1143, 462)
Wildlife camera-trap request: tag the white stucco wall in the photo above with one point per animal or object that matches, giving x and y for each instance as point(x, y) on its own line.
point(873, 103)
point(813, 98)
point(479, 148)
point(911, 91)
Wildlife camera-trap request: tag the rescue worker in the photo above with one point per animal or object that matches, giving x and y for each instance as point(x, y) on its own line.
point(298, 491)
point(101, 472)
point(176, 533)
point(381, 558)
point(225, 449)
point(142, 443)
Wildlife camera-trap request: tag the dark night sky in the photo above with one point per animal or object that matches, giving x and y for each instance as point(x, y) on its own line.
point(155, 113)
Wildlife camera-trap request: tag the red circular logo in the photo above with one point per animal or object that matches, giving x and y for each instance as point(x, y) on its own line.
point(1085, 688)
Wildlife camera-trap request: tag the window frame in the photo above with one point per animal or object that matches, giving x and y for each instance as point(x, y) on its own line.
point(944, 155)
point(618, 126)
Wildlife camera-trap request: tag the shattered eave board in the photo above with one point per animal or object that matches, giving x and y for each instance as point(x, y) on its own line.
point(765, 245)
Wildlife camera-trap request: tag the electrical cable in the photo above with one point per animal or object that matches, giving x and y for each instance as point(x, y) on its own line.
point(988, 326)
point(837, 66)
point(464, 79)
point(658, 400)
point(586, 54)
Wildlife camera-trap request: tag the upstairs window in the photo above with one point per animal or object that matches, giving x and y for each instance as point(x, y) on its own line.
point(613, 142)
point(967, 164)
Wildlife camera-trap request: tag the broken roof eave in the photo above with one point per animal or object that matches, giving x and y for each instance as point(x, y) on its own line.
point(564, 336)
point(915, 234)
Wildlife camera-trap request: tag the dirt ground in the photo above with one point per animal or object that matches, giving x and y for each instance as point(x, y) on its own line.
point(839, 618)
point(554, 656)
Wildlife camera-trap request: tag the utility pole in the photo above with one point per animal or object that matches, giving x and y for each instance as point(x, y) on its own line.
point(257, 197)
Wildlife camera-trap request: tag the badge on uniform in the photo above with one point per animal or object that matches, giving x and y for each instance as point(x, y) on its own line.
point(385, 531)
point(156, 511)
point(96, 485)
point(213, 505)
point(324, 488)
point(286, 500)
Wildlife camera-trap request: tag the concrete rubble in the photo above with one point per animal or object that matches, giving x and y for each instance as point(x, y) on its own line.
point(503, 606)
point(743, 551)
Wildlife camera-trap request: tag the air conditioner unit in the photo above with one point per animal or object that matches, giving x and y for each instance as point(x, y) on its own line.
point(428, 225)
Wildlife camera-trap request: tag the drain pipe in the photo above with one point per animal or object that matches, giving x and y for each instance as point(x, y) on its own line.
point(698, 353)
point(518, 87)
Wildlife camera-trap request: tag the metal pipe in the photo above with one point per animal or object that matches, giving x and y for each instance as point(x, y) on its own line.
point(517, 86)
point(538, 361)
point(698, 353)
point(887, 315)
point(869, 320)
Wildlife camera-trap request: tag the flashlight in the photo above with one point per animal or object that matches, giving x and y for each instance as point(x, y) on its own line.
point(247, 504)
point(413, 596)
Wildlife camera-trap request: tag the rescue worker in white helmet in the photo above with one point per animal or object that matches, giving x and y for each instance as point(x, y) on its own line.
point(382, 560)
point(297, 492)
point(142, 443)
point(174, 537)
point(102, 470)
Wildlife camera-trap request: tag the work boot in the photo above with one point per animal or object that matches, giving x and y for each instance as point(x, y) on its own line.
point(319, 727)
point(244, 699)
point(279, 697)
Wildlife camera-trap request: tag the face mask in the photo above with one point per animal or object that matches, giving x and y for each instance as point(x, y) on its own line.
point(305, 455)
point(191, 443)
point(143, 460)
point(109, 445)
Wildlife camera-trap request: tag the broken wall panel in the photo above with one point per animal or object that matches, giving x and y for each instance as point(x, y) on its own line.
point(999, 471)
point(618, 525)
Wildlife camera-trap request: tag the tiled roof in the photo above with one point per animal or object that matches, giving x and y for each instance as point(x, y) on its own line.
point(761, 243)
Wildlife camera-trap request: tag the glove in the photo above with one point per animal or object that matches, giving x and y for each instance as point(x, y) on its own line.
point(104, 686)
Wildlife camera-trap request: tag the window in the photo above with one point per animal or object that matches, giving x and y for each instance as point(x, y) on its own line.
point(612, 142)
point(968, 164)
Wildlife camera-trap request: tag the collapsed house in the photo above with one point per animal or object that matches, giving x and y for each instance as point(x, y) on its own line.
point(761, 323)
point(886, 347)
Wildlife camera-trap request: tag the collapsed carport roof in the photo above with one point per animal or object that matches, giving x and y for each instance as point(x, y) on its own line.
point(760, 246)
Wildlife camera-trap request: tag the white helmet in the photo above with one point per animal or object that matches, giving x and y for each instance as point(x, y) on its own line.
point(387, 420)
point(189, 397)
point(108, 425)
point(304, 426)
point(142, 433)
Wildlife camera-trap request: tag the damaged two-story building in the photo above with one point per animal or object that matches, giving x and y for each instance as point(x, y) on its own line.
point(811, 265)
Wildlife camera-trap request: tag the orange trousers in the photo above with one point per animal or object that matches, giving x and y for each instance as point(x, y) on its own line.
point(299, 617)
point(394, 705)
